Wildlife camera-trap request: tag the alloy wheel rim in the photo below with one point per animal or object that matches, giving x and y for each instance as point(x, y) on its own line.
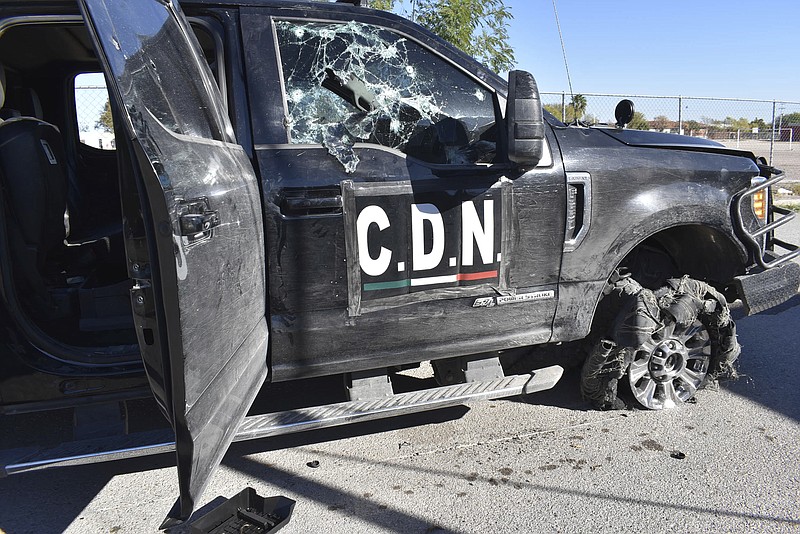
point(669, 367)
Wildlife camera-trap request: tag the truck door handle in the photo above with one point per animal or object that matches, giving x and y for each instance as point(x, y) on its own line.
point(196, 219)
point(195, 223)
point(309, 206)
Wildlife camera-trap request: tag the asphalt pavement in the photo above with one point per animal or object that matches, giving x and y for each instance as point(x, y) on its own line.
point(543, 463)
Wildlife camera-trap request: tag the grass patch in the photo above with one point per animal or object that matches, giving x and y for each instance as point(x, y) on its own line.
point(793, 187)
point(794, 206)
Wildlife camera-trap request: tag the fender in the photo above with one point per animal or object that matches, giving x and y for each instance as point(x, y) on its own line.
point(619, 230)
point(621, 223)
point(578, 300)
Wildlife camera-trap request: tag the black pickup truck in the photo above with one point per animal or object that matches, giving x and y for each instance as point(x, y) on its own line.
point(305, 189)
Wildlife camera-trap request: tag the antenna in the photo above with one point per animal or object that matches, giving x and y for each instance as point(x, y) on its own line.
point(564, 52)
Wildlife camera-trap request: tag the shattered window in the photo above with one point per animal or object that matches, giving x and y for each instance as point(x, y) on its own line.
point(351, 82)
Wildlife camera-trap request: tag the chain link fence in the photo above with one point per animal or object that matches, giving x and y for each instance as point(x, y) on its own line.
point(90, 103)
point(768, 128)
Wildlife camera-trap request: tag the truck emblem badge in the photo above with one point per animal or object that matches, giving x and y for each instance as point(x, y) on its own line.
point(490, 302)
point(484, 302)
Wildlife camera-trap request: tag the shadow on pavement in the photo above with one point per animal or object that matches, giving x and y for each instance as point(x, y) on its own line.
point(769, 377)
point(393, 519)
point(53, 499)
point(67, 491)
point(768, 363)
point(385, 517)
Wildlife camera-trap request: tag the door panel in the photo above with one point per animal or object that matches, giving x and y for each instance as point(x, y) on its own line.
point(201, 299)
point(431, 222)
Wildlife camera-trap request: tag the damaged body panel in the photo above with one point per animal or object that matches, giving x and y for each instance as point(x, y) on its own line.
point(210, 366)
point(309, 189)
point(426, 163)
point(685, 200)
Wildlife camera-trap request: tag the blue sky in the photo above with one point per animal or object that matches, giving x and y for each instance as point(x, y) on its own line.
point(719, 48)
point(733, 48)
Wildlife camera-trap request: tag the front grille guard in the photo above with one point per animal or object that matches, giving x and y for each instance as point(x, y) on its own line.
point(750, 239)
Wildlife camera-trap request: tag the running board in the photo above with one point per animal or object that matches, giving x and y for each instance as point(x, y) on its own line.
point(275, 424)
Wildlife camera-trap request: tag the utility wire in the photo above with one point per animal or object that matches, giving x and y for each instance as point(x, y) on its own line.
point(564, 52)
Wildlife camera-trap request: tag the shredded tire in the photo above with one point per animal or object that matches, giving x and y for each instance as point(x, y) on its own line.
point(640, 314)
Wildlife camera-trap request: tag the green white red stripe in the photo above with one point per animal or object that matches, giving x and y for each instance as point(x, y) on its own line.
point(430, 280)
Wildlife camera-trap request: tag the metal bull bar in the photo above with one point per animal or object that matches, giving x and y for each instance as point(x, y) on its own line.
point(750, 238)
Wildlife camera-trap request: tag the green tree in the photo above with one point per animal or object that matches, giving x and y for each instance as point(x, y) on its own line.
point(713, 125)
point(478, 27)
point(105, 121)
point(639, 122)
point(790, 118)
point(578, 106)
point(691, 126)
point(661, 122)
point(575, 110)
point(555, 109)
point(741, 123)
point(760, 124)
point(386, 5)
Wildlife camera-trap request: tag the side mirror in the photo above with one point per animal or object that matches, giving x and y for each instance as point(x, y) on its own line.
point(524, 119)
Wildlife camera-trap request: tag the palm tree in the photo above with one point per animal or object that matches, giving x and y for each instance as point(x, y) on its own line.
point(578, 105)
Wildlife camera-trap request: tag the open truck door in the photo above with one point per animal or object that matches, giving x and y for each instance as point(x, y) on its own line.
point(195, 242)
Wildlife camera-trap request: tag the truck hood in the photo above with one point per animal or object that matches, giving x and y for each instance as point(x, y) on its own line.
point(643, 138)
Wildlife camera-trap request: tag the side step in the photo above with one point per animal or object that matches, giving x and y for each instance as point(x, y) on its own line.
point(274, 424)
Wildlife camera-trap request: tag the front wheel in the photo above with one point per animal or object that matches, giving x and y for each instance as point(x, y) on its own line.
point(670, 366)
point(668, 343)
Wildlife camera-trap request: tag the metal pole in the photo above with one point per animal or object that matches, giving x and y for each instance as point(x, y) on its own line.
point(680, 115)
point(772, 137)
point(563, 107)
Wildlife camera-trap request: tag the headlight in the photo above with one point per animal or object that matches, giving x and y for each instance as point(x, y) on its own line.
point(760, 200)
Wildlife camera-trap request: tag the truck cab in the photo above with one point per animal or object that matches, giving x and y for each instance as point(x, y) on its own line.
point(296, 190)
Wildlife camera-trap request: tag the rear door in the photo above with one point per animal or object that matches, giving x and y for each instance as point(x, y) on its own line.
point(199, 299)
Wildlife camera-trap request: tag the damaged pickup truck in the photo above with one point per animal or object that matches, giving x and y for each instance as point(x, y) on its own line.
point(303, 189)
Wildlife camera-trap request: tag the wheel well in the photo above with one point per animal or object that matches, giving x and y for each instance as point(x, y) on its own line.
point(702, 252)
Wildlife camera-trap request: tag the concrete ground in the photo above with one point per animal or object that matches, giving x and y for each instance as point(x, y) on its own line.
point(785, 155)
point(544, 463)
